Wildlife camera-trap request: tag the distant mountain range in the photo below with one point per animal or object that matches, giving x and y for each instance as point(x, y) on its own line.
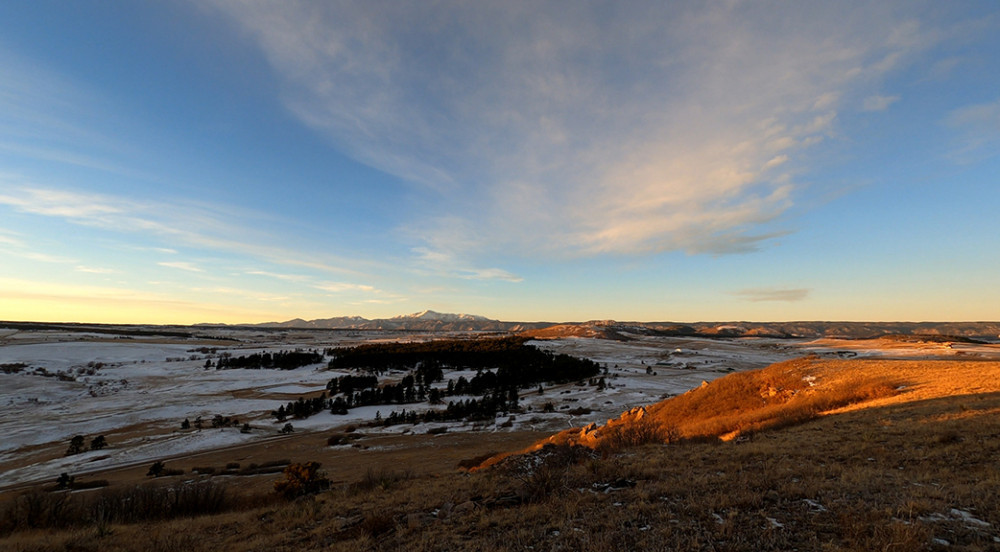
point(429, 320)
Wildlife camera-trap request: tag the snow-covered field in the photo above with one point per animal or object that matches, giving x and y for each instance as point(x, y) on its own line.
point(137, 391)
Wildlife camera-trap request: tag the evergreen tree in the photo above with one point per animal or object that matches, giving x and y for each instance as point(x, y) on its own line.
point(65, 481)
point(75, 445)
point(156, 470)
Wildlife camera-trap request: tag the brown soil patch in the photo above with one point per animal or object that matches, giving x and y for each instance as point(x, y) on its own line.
point(416, 454)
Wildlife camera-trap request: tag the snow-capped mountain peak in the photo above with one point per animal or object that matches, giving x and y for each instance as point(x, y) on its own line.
point(443, 317)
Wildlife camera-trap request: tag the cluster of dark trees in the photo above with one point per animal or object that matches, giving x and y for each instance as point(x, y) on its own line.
point(347, 384)
point(500, 363)
point(430, 355)
point(302, 408)
point(503, 366)
point(281, 360)
point(484, 408)
point(76, 444)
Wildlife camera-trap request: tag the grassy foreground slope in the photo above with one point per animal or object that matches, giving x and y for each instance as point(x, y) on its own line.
point(908, 462)
point(783, 394)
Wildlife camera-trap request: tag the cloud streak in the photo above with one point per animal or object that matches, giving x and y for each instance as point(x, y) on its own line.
point(194, 224)
point(978, 128)
point(757, 295)
point(181, 265)
point(632, 130)
point(878, 103)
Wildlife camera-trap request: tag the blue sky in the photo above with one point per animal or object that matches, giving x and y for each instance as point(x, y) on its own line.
point(250, 161)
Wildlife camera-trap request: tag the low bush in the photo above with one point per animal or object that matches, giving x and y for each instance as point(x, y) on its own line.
point(301, 479)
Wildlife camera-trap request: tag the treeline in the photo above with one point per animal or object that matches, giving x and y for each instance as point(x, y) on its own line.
point(503, 366)
point(453, 353)
point(482, 409)
point(302, 408)
point(281, 360)
point(515, 363)
point(347, 384)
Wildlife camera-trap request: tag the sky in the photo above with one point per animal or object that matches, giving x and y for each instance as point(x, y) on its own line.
point(240, 162)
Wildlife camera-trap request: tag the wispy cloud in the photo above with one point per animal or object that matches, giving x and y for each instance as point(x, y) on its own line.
point(191, 223)
point(285, 277)
point(587, 131)
point(244, 293)
point(13, 245)
point(978, 128)
point(442, 263)
point(878, 103)
point(181, 265)
point(773, 294)
point(46, 116)
point(94, 270)
point(340, 287)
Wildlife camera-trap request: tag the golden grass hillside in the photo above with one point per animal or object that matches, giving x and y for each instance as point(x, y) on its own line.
point(782, 394)
point(914, 469)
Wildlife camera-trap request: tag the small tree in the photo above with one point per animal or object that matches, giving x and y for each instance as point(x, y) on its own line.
point(435, 396)
point(287, 429)
point(75, 445)
point(65, 481)
point(186, 424)
point(99, 442)
point(156, 470)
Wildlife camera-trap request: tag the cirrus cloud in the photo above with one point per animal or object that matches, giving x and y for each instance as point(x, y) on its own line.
point(772, 294)
point(608, 128)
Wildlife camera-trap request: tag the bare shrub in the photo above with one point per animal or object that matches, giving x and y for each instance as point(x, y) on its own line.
point(301, 479)
point(40, 510)
point(135, 504)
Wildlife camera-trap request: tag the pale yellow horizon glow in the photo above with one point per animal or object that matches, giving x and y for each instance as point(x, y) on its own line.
point(23, 300)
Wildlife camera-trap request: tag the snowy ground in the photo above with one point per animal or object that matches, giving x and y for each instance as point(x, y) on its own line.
point(137, 391)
